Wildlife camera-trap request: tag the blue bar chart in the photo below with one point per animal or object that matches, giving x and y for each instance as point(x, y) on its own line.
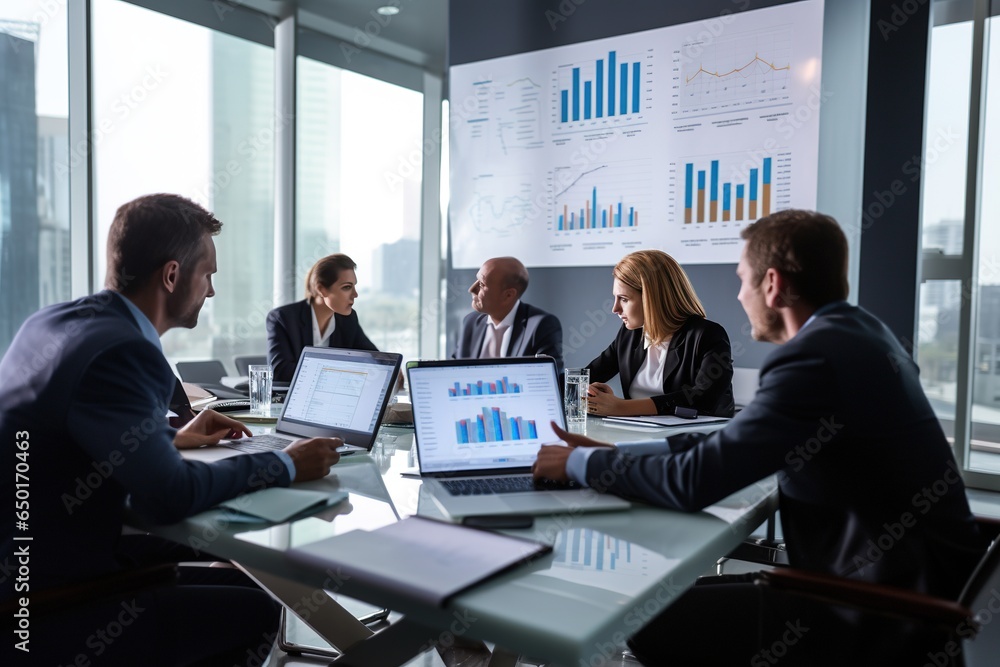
point(485, 388)
point(590, 215)
point(606, 197)
point(736, 188)
point(606, 87)
point(493, 425)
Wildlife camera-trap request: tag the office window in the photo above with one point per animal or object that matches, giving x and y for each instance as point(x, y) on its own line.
point(181, 108)
point(986, 316)
point(34, 161)
point(359, 159)
point(958, 277)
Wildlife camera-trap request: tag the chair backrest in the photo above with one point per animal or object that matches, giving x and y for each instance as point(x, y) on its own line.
point(244, 362)
point(982, 596)
point(745, 381)
point(201, 371)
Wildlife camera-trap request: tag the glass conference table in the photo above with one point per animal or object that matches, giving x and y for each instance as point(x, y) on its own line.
point(608, 574)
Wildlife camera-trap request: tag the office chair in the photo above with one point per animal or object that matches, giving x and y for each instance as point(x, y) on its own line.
point(201, 372)
point(966, 621)
point(245, 361)
point(65, 598)
point(208, 375)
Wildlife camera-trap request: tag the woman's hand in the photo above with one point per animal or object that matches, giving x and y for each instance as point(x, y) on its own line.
point(207, 429)
point(601, 400)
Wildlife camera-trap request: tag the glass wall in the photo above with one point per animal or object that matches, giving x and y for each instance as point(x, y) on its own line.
point(197, 121)
point(35, 161)
point(986, 317)
point(957, 276)
point(359, 159)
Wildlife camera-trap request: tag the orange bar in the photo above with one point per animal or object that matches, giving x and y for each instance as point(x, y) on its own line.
point(701, 205)
point(753, 209)
point(687, 216)
point(713, 211)
point(767, 199)
point(725, 215)
point(611, 216)
point(739, 208)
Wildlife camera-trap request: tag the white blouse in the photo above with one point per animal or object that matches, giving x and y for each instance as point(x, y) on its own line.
point(648, 381)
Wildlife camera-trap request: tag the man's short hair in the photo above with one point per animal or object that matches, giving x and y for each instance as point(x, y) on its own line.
point(150, 231)
point(809, 249)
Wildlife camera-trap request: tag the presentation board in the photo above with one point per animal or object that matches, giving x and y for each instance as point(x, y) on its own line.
point(672, 138)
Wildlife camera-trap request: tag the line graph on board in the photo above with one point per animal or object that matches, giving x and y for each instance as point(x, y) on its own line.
point(739, 71)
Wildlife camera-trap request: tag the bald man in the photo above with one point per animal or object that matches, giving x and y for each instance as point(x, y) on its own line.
point(503, 325)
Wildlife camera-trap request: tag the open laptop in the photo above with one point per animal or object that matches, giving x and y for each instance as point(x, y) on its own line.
point(478, 425)
point(335, 393)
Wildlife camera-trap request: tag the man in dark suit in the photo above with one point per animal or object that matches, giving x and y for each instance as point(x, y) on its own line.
point(503, 325)
point(84, 394)
point(868, 486)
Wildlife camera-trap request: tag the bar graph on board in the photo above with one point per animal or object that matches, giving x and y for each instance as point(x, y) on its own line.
point(734, 187)
point(610, 86)
point(606, 197)
point(493, 425)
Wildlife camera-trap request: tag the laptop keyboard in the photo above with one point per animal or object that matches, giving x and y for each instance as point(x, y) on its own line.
point(489, 485)
point(481, 486)
point(257, 444)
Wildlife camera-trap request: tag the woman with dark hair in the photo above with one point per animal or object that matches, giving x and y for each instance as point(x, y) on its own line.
point(667, 354)
point(325, 318)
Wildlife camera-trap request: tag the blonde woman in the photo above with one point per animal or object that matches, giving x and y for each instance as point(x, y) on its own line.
point(326, 317)
point(667, 354)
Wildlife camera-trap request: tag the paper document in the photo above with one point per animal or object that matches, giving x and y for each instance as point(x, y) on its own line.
point(279, 504)
point(667, 420)
point(419, 559)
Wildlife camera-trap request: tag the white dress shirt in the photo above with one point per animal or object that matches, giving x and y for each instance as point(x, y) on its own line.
point(648, 380)
point(320, 338)
point(507, 321)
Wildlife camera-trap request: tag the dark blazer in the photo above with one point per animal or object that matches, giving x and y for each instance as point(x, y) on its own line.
point(868, 485)
point(697, 372)
point(289, 329)
point(88, 395)
point(534, 332)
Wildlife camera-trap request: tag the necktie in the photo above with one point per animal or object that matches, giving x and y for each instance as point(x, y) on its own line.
point(495, 335)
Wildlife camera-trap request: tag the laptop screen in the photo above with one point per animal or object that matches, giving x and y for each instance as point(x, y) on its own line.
point(485, 414)
point(339, 390)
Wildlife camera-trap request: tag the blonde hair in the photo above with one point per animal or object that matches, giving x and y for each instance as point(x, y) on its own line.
point(325, 272)
point(668, 299)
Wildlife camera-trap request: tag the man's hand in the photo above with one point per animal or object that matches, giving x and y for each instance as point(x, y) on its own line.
point(551, 460)
point(313, 457)
point(601, 399)
point(207, 429)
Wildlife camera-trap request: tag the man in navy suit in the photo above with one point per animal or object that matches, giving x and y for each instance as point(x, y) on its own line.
point(84, 393)
point(503, 325)
point(868, 486)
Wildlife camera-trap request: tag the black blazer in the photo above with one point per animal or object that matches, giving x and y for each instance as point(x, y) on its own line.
point(93, 404)
point(289, 329)
point(697, 372)
point(869, 488)
point(534, 332)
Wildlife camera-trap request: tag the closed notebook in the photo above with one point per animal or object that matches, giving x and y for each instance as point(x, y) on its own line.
point(279, 504)
point(418, 559)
